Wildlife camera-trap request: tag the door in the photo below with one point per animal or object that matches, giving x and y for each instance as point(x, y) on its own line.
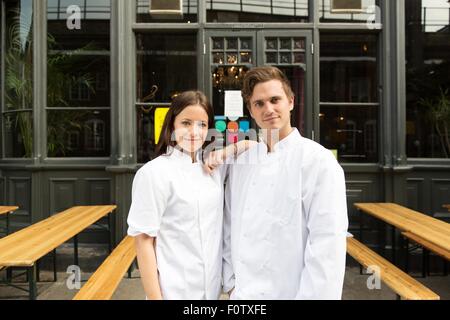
point(230, 54)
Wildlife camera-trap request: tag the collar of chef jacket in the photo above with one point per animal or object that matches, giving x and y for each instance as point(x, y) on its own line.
point(183, 157)
point(286, 142)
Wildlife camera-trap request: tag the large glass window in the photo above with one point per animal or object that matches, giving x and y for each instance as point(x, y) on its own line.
point(17, 81)
point(166, 66)
point(257, 10)
point(78, 86)
point(349, 102)
point(427, 78)
point(190, 8)
point(354, 11)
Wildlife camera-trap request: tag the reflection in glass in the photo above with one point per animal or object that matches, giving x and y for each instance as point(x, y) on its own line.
point(78, 68)
point(285, 43)
point(159, 58)
point(271, 57)
point(18, 80)
point(285, 57)
point(257, 11)
point(349, 101)
point(218, 57)
point(217, 43)
point(357, 16)
point(232, 58)
point(246, 44)
point(351, 131)
point(190, 8)
point(246, 57)
point(232, 44)
point(271, 43)
point(348, 68)
point(427, 78)
point(166, 66)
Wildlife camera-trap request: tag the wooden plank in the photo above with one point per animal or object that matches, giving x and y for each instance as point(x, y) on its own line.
point(428, 245)
point(426, 227)
point(7, 209)
point(104, 282)
point(400, 282)
point(25, 247)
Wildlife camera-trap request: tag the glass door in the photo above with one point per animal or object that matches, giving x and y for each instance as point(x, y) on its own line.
point(231, 54)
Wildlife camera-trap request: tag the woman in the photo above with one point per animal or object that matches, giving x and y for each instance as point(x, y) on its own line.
point(177, 207)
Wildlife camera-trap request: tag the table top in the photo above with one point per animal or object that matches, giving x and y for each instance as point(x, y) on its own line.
point(431, 229)
point(6, 209)
point(23, 248)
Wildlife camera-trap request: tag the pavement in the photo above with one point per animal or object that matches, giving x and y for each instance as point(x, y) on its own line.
point(90, 257)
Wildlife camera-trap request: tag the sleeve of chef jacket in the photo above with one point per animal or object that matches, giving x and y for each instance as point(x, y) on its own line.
point(325, 205)
point(227, 266)
point(148, 203)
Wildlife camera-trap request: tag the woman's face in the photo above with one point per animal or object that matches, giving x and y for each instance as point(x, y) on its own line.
point(191, 128)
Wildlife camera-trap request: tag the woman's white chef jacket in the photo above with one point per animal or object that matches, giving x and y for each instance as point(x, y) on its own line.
point(285, 223)
point(175, 201)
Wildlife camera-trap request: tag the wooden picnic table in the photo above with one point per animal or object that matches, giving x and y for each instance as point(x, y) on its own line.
point(434, 231)
point(6, 210)
point(27, 246)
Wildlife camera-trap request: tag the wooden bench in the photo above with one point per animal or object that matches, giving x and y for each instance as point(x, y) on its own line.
point(401, 283)
point(434, 231)
point(104, 282)
point(6, 211)
point(26, 247)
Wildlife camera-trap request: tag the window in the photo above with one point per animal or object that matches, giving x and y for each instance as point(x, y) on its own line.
point(166, 65)
point(78, 72)
point(349, 102)
point(190, 8)
point(17, 88)
point(257, 10)
point(427, 78)
point(353, 11)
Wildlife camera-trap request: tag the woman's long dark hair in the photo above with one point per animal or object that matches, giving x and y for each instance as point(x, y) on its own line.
point(182, 101)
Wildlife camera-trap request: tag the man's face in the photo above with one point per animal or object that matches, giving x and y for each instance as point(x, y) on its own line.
point(270, 107)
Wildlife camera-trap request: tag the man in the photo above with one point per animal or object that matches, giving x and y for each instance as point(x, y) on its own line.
point(286, 214)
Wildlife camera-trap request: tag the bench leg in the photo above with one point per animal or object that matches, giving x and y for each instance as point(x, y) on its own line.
point(55, 275)
point(406, 254)
point(425, 256)
point(111, 228)
point(32, 282)
point(394, 244)
point(7, 224)
point(360, 236)
point(38, 269)
point(75, 250)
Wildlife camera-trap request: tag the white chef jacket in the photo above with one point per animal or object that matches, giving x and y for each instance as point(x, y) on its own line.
point(175, 201)
point(285, 223)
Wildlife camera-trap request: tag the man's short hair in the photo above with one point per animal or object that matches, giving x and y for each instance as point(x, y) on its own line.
point(264, 74)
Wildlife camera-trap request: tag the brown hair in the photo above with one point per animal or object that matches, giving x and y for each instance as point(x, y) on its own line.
point(182, 101)
point(264, 74)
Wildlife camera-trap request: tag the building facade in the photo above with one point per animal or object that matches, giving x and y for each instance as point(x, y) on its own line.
point(82, 80)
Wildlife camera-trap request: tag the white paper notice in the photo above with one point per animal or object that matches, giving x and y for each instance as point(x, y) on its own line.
point(234, 104)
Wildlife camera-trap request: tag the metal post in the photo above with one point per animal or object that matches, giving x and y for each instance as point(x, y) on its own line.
point(406, 255)
point(7, 223)
point(360, 236)
point(424, 262)
point(394, 244)
point(75, 250)
point(31, 271)
point(38, 278)
point(55, 275)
